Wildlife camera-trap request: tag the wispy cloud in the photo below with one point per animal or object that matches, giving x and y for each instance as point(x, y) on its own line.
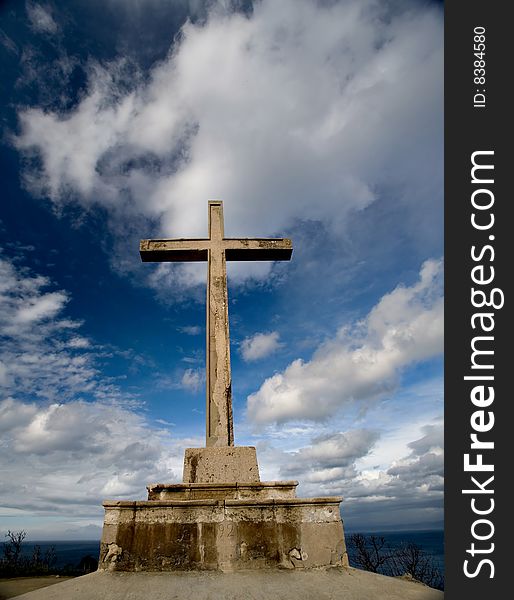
point(40, 18)
point(42, 355)
point(192, 379)
point(191, 329)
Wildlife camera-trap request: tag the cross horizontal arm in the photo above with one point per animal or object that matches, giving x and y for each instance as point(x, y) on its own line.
point(196, 250)
point(258, 249)
point(177, 250)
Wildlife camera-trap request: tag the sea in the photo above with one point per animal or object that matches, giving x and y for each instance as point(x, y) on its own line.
point(431, 542)
point(69, 553)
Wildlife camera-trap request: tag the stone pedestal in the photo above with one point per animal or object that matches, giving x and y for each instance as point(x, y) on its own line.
point(221, 464)
point(208, 524)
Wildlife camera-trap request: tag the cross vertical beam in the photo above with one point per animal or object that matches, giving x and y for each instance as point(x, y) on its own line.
point(219, 420)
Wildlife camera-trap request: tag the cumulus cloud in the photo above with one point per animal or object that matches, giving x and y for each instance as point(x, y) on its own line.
point(72, 456)
point(409, 490)
point(304, 111)
point(423, 468)
point(40, 18)
point(14, 414)
point(420, 472)
point(259, 345)
point(362, 363)
point(330, 457)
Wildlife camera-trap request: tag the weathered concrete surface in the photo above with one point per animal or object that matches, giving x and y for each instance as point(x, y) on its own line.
point(217, 250)
point(229, 464)
point(219, 421)
point(169, 492)
point(330, 584)
point(224, 535)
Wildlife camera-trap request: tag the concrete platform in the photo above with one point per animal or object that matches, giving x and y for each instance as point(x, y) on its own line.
point(331, 584)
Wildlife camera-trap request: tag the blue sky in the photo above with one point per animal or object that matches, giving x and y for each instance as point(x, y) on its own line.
point(319, 121)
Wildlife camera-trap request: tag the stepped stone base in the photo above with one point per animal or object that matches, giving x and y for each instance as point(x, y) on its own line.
point(224, 535)
point(211, 523)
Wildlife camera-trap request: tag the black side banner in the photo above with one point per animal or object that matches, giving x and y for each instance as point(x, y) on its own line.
point(478, 230)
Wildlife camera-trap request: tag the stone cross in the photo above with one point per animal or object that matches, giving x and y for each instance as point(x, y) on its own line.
point(216, 250)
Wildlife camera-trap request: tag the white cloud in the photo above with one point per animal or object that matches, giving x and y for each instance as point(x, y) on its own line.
point(13, 415)
point(72, 456)
point(41, 18)
point(259, 345)
point(3, 373)
point(192, 379)
point(302, 110)
point(191, 329)
point(404, 327)
point(79, 342)
point(42, 307)
point(329, 457)
point(423, 468)
point(407, 491)
point(432, 440)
